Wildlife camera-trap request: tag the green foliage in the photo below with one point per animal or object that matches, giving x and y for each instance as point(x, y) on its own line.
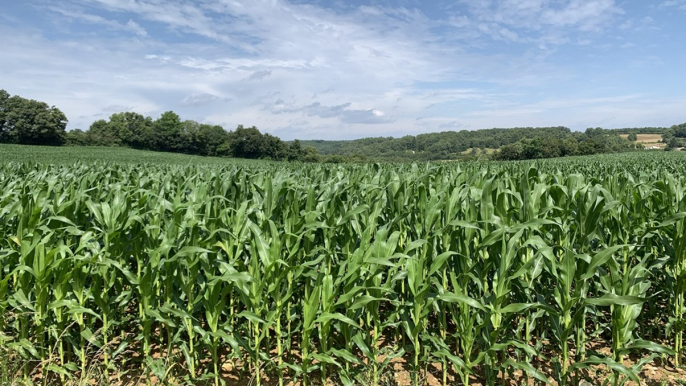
point(310, 154)
point(642, 130)
point(205, 140)
point(678, 131)
point(169, 134)
point(100, 134)
point(274, 148)
point(593, 141)
point(77, 137)
point(432, 146)
point(515, 144)
point(335, 159)
point(30, 122)
point(295, 151)
point(133, 130)
point(247, 142)
point(675, 136)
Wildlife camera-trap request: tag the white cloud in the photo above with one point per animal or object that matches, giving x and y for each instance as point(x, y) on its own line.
point(450, 125)
point(130, 26)
point(543, 16)
point(259, 75)
point(680, 4)
point(304, 70)
point(195, 100)
point(365, 116)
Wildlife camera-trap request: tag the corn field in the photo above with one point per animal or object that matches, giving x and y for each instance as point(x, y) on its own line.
point(483, 272)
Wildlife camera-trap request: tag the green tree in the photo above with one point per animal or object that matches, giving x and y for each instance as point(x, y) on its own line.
point(77, 137)
point(30, 122)
point(132, 129)
point(594, 132)
point(569, 147)
point(295, 151)
point(4, 97)
point(247, 142)
point(678, 131)
point(673, 143)
point(334, 159)
point(275, 148)
point(212, 140)
point(632, 137)
point(310, 154)
point(510, 152)
point(167, 133)
point(101, 134)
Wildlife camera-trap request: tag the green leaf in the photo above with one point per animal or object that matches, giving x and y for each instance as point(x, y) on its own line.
point(460, 298)
point(611, 299)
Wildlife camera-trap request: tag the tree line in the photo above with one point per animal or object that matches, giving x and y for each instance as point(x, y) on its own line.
point(642, 130)
point(433, 146)
point(171, 134)
point(30, 122)
point(675, 137)
point(512, 144)
point(592, 141)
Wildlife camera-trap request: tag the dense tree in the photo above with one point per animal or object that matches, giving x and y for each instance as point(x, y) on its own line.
point(100, 134)
point(310, 154)
point(274, 148)
point(211, 140)
point(673, 143)
point(678, 131)
point(167, 133)
point(642, 130)
point(30, 122)
point(295, 151)
point(433, 146)
point(4, 97)
point(247, 142)
point(593, 141)
point(632, 137)
point(334, 159)
point(511, 152)
point(133, 130)
point(77, 137)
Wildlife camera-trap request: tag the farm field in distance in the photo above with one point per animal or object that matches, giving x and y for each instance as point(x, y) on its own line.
point(88, 154)
point(648, 140)
point(123, 267)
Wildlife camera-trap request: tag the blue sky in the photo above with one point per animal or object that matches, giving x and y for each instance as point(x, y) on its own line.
point(315, 69)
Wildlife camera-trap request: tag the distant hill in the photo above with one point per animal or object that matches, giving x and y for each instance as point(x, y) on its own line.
point(434, 146)
point(642, 130)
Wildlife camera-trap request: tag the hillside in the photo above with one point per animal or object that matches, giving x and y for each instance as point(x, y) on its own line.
point(547, 141)
point(433, 146)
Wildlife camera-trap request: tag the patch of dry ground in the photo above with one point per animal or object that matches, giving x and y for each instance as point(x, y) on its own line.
point(648, 140)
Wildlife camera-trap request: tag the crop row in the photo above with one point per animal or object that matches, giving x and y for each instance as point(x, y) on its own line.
point(332, 273)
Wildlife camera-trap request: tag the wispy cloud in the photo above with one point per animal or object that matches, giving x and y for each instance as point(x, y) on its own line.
point(679, 4)
point(130, 26)
point(196, 100)
point(331, 69)
point(259, 75)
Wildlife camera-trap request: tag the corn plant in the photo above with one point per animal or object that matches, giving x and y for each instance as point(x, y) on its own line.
point(330, 273)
